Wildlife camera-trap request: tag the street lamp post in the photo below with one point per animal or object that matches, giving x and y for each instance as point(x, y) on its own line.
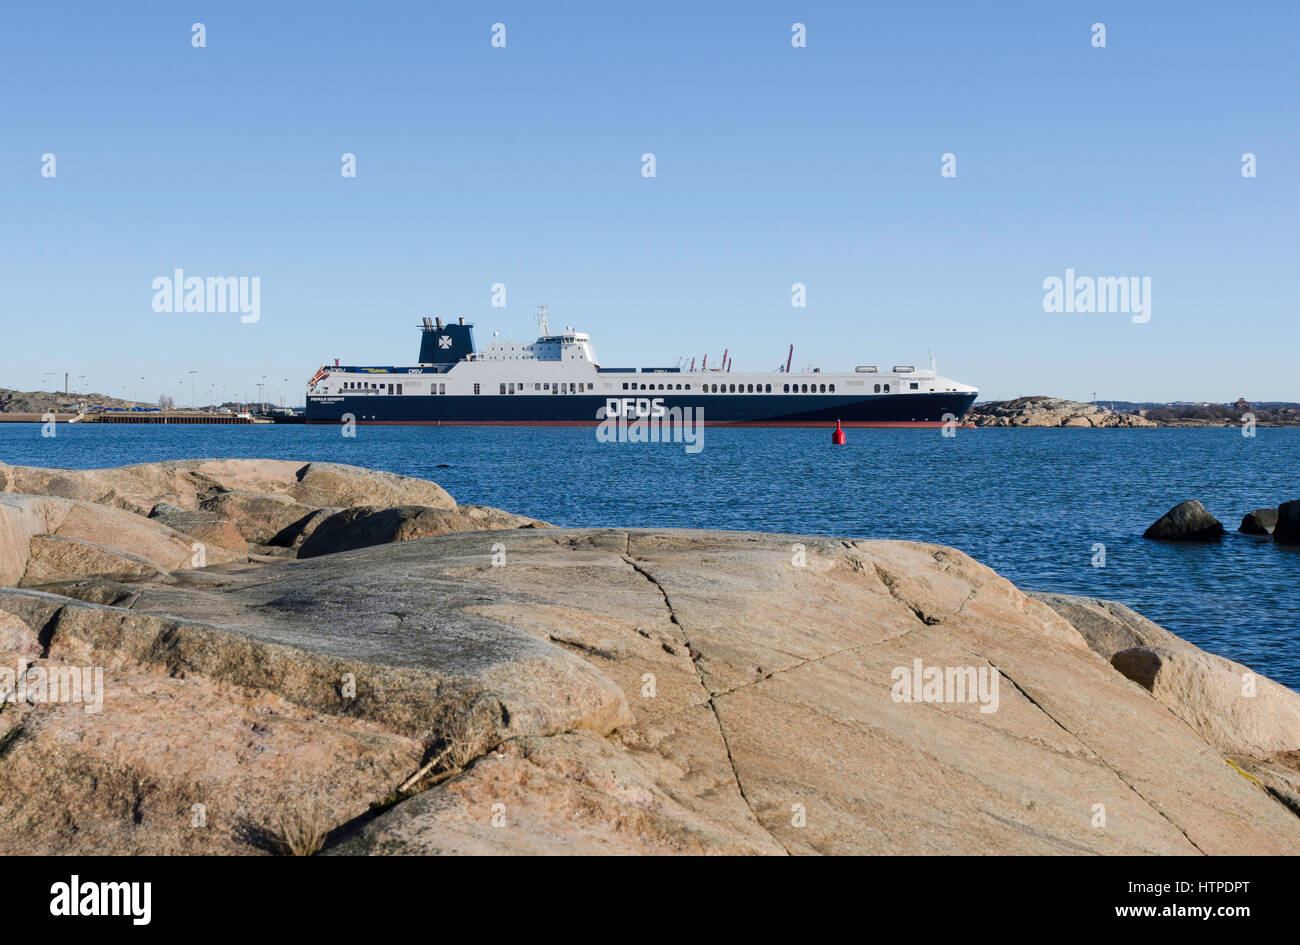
point(193, 403)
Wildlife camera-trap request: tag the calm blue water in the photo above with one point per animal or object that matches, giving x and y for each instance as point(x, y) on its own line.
point(1029, 503)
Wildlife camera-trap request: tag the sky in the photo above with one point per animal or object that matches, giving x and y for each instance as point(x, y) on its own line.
point(774, 164)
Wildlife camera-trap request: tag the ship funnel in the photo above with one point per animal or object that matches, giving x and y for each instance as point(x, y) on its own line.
point(445, 344)
point(462, 319)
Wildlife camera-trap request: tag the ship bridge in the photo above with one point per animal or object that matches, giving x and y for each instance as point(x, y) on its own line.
point(567, 345)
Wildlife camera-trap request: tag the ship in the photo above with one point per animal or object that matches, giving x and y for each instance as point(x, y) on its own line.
point(557, 380)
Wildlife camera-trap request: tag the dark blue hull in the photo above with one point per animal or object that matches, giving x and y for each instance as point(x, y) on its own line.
point(929, 409)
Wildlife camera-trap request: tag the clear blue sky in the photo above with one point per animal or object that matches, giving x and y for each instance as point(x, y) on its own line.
point(775, 165)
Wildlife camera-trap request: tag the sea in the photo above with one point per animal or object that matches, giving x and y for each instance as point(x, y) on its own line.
point(1050, 509)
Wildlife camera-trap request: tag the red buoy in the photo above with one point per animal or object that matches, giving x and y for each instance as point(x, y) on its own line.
point(837, 435)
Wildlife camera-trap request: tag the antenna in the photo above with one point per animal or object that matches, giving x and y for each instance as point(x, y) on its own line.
point(933, 370)
point(541, 321)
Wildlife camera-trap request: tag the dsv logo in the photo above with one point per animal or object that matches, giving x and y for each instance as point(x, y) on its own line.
point(634, 407)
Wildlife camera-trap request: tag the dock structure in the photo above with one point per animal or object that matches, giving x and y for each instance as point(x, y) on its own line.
point(166, 416)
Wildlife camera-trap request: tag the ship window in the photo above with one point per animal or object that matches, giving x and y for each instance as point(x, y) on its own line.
point(390, 389)
point(503, 389)
point(769, 389)
point(688, 386)
point(914, 385)
point(475, 388)
point(886, 388)
point(512, 388)
point(399, 389)
point(787, 388)
point(805, 389)
point(823, 388)
point(751, 389)
point(832, 388)
point(733, 388)
point(877, 388)
point(624, 387)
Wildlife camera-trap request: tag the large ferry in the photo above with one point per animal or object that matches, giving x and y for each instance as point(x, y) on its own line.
point(558, 380)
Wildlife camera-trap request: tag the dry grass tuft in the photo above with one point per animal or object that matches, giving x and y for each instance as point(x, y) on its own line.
point(300, 832)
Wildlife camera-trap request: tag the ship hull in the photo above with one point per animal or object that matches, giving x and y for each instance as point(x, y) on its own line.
point(769, 410)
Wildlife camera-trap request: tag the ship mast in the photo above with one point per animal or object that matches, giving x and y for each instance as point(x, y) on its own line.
point(544, 328)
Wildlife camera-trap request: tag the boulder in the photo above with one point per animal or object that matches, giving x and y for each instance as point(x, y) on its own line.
point(186, 483)
point(54, 558)
point(1258, 522)
point(1287, 530)
point(1186, 521)
point(1233, 708)
point(207, 527)
point(364, 526)
point(609, 691)
point(109, 537)
point(333, 484)
point(295, 534)
point(273, 505)
point(259, 517)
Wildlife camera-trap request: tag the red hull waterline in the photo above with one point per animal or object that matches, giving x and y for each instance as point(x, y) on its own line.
point(787, 424)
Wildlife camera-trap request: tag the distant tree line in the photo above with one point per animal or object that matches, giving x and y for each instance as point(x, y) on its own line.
point(1231, 412)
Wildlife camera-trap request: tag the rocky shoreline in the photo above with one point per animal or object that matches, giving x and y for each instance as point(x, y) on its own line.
point(1039, 411)
point(302, 657)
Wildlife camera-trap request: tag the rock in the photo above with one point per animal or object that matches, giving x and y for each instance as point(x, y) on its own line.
point(108, 537)
point(53, 558)
point(364, 526)
point(186, 483)
point(1105, 625)
point(1186, 521)
point(17, 641)
point(207, 527)
point(1258, 522)
point(1287, 530)
point(295, 534)
point(1038, 411)
point(1236, 710)
point(259, 517)
point(1232, 708)
point(615, 691)
point(271, 505)
point(332, 484)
